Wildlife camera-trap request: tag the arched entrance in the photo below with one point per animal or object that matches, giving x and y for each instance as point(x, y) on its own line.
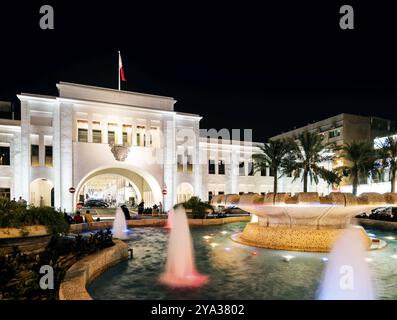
point(41, 193)
point(118, 185)
point(114, 189)
point(184, 192)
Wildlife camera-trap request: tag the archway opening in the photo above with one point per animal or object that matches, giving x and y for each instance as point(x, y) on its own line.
point(113, 189)
point(184, 192)
point(41, 193)
point(118, 185)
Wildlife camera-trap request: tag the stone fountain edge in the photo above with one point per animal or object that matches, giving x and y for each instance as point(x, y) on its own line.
point(85, 271)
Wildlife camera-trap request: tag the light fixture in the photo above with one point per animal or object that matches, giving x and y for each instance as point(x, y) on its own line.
point(214, 244)
point(390, 238)
point(207, 237)
point(287, 258)
point(325, 259)
point(224, 232)
point(368, 259)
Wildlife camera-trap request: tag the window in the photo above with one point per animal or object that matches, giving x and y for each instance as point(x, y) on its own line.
point(96, 132)
point(4, 156)
point(111, 137)
point(82, 135)
point(127, 131)
point(241, 193)
point(112, 133)
point(48, 156)
point(5, 193)
point(179, 163)
point(271, 172)
point(96, 136)
point(138, 139)
point(154, 140)
point(263, 193)
point(209, 195)
point(34, 155)
point(211, 166)
point(189, 163)
point(221, 167)
point(221, 192)
point(334, 133)
point(241, 168)
point(250, 168)
point(82, 131)
point(263, 172)
point(140, 136)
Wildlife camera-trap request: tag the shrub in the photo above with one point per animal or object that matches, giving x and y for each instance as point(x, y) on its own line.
point(20, 273)
point(197, 206)
point(15, 215)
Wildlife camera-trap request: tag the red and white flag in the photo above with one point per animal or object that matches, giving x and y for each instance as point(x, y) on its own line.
point(121, 70)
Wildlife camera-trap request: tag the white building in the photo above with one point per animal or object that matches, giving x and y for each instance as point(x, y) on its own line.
point(118, 146)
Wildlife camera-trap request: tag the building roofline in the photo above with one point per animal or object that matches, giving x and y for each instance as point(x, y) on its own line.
point(114, 90)
point(24, 95)
point(342, 114)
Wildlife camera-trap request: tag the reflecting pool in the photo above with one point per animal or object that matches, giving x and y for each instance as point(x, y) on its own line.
point(235, 271)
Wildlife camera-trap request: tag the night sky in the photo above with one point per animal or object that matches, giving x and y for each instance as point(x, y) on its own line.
point(241, 65)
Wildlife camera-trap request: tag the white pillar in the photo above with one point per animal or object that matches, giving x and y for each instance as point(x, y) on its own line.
point(169, 159)
point(197, 166)
point(66, 144)
point(25, 151)
point(56, 153)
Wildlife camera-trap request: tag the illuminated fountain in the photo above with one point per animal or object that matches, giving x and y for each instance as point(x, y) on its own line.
point(347, 275)
point(169, 223)
point(303, 222)
point(180, 270)
point(120, 229)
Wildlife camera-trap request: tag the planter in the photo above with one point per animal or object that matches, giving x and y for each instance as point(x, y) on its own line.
point(31, 239)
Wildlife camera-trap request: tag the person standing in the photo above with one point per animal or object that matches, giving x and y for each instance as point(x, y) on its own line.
point(160, 207)
point(141, 207)
point(78, 218)
point(88, 217)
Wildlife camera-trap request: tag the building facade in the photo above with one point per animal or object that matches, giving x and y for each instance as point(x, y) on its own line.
point(127, 147)
point(118, 146)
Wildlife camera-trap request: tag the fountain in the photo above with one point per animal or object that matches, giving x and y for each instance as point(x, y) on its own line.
point(303, 222)
point(347, 275)
point(180, 270)
point(120, 225)
point(169, 224)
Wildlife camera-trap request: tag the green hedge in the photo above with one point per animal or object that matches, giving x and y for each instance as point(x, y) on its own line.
point(198, 207)
point(15, 215)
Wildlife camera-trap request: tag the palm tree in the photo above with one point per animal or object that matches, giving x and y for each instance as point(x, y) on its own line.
point(271, 155)
point(360, 158)
point(307, 154)
point(388, 156)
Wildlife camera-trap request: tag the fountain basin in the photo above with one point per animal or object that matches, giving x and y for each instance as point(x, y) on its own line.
point(303, 222)
point(292, 239)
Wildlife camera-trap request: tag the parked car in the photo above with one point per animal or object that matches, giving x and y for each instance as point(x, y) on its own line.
point(96, 203)
point(229, 212)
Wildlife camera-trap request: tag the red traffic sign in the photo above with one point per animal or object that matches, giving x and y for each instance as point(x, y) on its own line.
point(72, 190)
point(164, 191)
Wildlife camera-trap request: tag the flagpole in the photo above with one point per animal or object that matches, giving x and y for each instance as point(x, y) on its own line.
point(118, 68)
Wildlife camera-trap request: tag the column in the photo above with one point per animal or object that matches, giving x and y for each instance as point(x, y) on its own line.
point(56, 154)
point(197, 163)
point(169, 150)
point(25, 150)
point(66, 146)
